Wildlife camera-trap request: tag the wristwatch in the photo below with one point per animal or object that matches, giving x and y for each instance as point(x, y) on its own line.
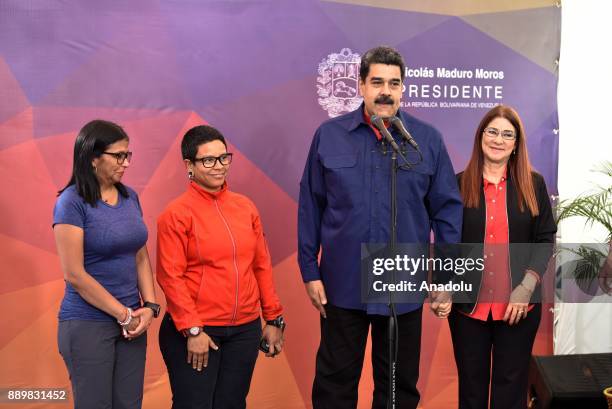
point(279, 322)
point(152, 306)
point(194, 331)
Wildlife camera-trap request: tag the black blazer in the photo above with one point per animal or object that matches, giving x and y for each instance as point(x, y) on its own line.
point(522, 228)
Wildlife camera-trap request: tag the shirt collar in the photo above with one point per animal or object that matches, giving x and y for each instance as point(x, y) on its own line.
point(501, 181)
point(198, 190)
point(360, 116)
point(357, 118)
point(366, 119)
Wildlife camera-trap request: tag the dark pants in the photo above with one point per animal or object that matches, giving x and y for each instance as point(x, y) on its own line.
point(494, 353)
point(344, 335)
point(225, 382)
point(106, 370)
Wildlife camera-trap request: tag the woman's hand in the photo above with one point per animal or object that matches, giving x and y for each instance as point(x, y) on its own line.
point(517, 307)
point(132, 325)
point(274, 337)
point(441, 303)
point(519, 298)
point(143, 318)
point(197, 350)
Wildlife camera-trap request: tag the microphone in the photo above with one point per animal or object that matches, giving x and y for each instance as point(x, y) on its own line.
point(397, 123)
point(378, 123)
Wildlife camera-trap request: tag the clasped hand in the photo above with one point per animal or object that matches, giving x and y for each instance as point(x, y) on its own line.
point(441, 303)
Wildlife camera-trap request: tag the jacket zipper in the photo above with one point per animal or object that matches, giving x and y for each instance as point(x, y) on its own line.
point(234, 256)
point(197, 246)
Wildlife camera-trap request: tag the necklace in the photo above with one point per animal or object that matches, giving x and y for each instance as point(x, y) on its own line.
point(110, 197)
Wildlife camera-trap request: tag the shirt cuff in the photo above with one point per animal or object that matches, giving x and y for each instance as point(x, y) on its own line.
point(534, 274)
point(310, 274)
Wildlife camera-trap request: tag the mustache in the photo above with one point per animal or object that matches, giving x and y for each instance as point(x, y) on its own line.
point(384, 99)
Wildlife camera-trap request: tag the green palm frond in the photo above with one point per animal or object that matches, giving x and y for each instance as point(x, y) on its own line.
point(590, 261)
point(605, 168)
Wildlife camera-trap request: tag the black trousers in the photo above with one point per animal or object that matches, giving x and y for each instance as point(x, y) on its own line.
point(225, 382)
point(496, 354)
point(106, 370)
point(344, 335)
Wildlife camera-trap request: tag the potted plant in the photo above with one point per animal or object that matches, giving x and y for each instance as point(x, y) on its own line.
point(596, 207)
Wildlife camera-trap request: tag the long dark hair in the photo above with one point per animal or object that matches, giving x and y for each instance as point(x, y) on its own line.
point(92, 140)
point(518, 165)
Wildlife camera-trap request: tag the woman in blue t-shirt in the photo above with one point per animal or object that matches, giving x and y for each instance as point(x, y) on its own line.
point(109, 300)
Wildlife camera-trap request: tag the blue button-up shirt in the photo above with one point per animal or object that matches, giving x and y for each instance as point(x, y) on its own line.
point(345, 201)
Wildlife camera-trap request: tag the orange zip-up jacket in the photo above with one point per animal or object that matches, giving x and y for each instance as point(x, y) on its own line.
point(213, 262)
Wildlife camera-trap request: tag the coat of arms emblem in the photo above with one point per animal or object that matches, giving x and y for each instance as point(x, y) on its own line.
point(338, 81)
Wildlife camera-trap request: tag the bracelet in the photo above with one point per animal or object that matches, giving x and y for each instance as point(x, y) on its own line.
point(128, 319)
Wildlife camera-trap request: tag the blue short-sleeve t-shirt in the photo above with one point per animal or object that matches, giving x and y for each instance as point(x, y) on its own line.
point(112, 235)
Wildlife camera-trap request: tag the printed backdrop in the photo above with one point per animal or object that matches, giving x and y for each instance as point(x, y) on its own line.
point(266, 73)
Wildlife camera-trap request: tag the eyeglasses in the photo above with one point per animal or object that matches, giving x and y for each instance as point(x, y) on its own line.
point(494, 133)
point(211, 161)
point(120, 156)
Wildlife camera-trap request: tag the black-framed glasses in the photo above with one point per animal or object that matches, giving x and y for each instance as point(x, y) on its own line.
point(211, 161)
point(494, 133)
point(120, 156)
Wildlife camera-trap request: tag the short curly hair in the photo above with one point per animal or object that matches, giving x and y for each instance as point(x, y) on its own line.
point(381, 55)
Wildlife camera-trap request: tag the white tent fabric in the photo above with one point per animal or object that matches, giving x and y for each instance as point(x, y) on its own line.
point(585, 86)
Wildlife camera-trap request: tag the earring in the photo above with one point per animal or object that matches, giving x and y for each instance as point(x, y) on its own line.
point(95, 169)
point(190, 175)
point(514, 151)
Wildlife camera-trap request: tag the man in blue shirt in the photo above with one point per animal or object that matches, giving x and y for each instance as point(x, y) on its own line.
point(344, 202)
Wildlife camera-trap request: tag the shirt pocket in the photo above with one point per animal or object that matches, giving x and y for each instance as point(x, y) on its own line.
point(339, 161)
point(413, 184)
point(343, 179)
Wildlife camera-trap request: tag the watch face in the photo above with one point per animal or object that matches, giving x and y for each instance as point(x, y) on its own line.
point(194, 331)
point(278, 322)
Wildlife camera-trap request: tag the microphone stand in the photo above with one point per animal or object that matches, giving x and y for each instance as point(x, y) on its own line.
point(392, 327)
point(395, 151)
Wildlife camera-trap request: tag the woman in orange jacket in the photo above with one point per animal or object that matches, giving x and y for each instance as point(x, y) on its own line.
point(215, 270)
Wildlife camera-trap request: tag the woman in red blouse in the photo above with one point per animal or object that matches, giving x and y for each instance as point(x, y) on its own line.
point(215, 270)
point(505, 201)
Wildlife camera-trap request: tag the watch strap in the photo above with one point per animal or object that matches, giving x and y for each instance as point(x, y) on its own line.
point(154, 307)
point(278, 322)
